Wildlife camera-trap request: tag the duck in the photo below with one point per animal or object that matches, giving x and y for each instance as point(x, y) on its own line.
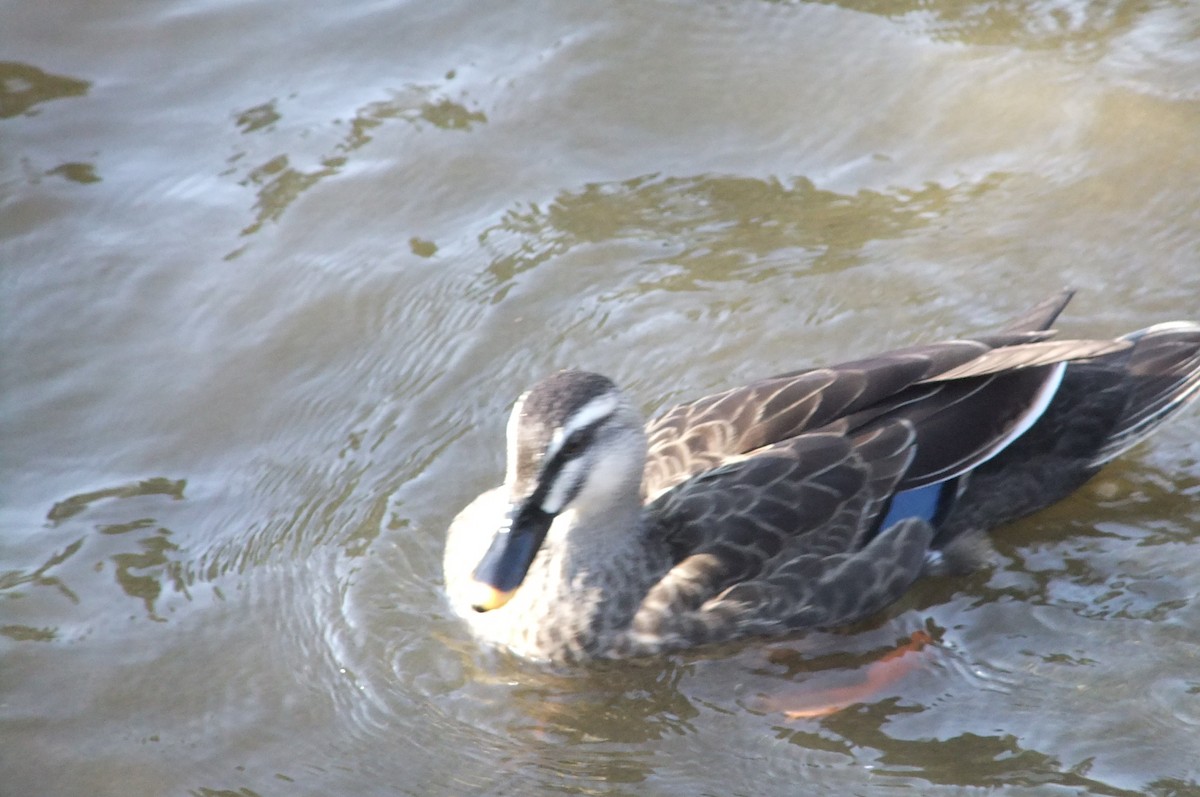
point(809, 500)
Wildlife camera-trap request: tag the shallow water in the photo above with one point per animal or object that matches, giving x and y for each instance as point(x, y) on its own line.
point(273, 273)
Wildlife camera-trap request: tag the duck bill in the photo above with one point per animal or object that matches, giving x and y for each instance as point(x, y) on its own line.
point(507, 561)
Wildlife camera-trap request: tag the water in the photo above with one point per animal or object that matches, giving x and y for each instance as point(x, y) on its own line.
point(273, 273)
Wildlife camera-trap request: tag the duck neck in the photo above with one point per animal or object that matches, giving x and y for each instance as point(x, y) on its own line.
point(593, 570)
point(596, 541)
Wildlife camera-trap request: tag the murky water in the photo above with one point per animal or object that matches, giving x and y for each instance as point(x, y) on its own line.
point(273, 272)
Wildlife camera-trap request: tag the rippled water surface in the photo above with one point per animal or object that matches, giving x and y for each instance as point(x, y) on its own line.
point(273, 273)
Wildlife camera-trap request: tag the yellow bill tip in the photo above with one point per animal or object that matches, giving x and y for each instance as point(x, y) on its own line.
point(485, 597)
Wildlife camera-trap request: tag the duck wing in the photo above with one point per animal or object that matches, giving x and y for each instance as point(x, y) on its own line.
point(697, 436)
point(767, 543)
point(796, 534)
point(924, 382)
point(966, 415)
point(772, 498)
point(1105, 405)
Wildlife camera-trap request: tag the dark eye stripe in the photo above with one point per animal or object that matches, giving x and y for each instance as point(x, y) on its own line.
point(577, 442)
point(572, 447)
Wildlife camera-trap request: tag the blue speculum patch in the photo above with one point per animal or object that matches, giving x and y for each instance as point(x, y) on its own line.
point(923, 502)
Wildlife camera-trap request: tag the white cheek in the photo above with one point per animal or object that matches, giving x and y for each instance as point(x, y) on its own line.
point(608, 477)
point(568, 477)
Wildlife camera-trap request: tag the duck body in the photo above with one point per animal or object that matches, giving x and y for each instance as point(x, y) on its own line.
point(807, 500)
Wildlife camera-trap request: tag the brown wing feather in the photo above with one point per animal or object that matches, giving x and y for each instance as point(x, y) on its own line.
point(769, 505)
point(1030, 355)
point(825, 449)
point(694, 437)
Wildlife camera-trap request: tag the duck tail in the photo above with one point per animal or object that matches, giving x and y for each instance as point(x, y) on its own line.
point(1164, 369)
point(1042, 315)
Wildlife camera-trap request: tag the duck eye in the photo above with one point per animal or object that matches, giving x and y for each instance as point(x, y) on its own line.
point(575, 443)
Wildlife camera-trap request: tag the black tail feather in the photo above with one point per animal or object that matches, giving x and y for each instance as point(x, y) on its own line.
point(1164, 368)
point(1042, 315)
